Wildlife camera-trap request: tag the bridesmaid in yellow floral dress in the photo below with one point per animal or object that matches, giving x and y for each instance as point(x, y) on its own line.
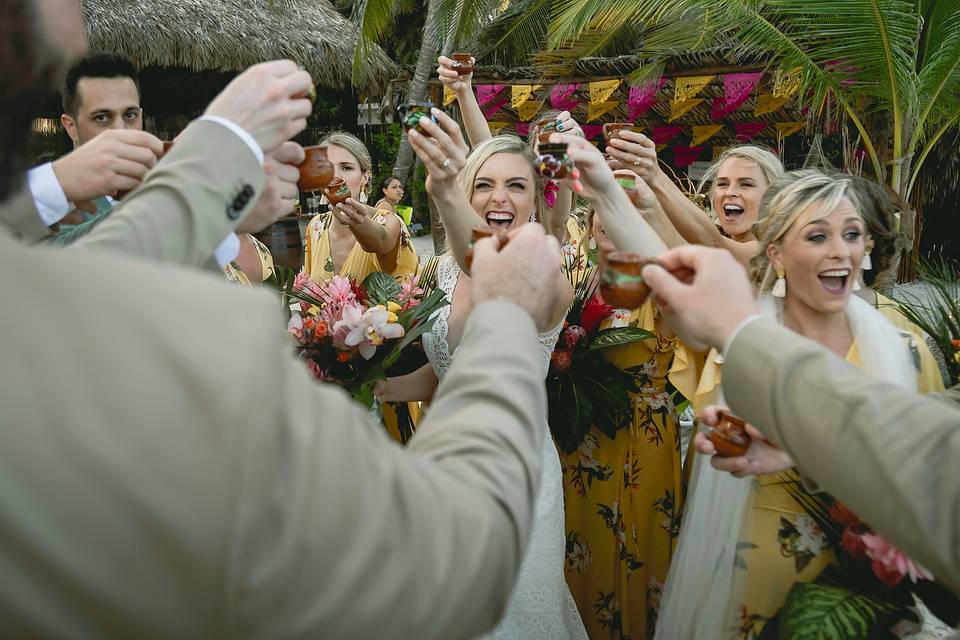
point(623, 495)
point(812, 228)
point(355, 239)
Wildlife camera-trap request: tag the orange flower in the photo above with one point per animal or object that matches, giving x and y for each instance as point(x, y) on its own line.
point(309, 323)
point(321, 329)
point(343, 356)
point(955, 343)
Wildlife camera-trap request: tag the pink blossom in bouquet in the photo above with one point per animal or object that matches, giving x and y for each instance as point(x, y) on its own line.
point(295, 326)
point(890, 564)
point(409, 292)
point(369, 328)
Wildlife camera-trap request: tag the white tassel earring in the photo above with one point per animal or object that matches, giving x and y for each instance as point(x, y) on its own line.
point(780, 286)
point(363, 197)
point(867, 263)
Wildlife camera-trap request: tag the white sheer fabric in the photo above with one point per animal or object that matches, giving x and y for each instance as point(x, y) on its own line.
point(541, 606)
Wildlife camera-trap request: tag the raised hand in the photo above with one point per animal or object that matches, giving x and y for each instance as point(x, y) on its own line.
point(592, 177)
point(523, 272)
point(450, 77)
point(352, 212)
point(442, 150)
point(634, 151)
point(278, 196)
point(761, 458)
point(268, 100)
point(116, 160)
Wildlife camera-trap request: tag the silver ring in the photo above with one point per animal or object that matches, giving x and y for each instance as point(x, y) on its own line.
point(445, 163)
point(637, 162)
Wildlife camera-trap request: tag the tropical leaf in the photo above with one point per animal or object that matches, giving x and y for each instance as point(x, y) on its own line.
point(817, 611)
point(381, 288)
point(516, 32)
point(619, 336)
point(373, 19)
point(460, 20)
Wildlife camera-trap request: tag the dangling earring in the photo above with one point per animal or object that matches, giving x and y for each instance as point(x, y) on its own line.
point(363, 196)
point(533, 216)
point(780, 286)
point(856, 284)
point(867, 263)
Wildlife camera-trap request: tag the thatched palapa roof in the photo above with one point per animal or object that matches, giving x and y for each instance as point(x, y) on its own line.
point(231, 35)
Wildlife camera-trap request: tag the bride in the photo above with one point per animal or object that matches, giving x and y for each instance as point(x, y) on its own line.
point(496, 185)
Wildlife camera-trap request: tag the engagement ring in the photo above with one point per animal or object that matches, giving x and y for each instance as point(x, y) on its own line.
point(445, 163)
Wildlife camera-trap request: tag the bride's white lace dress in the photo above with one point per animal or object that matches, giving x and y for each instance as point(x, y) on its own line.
point(541, 606)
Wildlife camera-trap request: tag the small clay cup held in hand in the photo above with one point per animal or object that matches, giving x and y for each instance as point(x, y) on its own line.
point(336, 191)
point(621, 283)
point(411, 112)
point(612, 130)
point(730, 437)
point(545, 128)
point(464, 64)
point(553, 162)
point(479, 233)
point(316, 171)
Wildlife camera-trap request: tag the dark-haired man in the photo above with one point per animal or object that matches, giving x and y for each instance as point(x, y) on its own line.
point(101, 92)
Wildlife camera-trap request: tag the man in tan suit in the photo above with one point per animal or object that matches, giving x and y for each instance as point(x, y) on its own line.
point(189, 478)
point(891, 455)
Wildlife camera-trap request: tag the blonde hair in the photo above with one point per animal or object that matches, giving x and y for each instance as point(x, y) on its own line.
point(502, 144)
point(787, 199)
point(768, 162)
point(355, 147)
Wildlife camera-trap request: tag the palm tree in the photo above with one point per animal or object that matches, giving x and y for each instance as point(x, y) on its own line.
point(448, 24)
point(892, 67)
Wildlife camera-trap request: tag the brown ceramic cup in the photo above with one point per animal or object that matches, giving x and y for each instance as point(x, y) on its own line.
point(545, 128)
point(479, 233)
point(336, 191)
point(464, 64)
point(316, 170)
point(730, 437)
point(612, 130)
point(621, 283)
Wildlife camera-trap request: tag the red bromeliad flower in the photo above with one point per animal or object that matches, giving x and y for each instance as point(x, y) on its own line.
point(852, 542)
point(594, 311)
point(358, 291)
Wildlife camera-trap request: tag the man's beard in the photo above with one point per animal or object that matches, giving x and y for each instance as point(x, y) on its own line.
point(29, 75)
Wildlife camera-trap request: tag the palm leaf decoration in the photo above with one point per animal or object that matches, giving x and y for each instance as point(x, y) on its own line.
point(814, 611)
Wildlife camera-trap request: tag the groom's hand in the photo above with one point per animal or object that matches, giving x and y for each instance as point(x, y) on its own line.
point(523, 272)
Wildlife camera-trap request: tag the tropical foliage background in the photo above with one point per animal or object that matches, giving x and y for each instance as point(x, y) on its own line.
point(887, 69)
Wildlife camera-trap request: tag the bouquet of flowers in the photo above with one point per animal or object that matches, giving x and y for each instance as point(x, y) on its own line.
point(582, 387)
point(350, 334)
point(869, 593)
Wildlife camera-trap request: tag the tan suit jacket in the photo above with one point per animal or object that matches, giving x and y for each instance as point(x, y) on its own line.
point(169, 469)
point(892, 456)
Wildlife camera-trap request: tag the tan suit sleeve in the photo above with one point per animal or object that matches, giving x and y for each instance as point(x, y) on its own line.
point(19, 217)
point(343, 534)
point(188, 203)
point(892, 456)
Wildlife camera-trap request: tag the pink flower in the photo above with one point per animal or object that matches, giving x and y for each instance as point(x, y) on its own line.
point(295, 326)
point(890, 564)
point(368, 329)
point(852, 543)
point(315, 369)
point(338, 292)
point(550, 190)
point(409, 291)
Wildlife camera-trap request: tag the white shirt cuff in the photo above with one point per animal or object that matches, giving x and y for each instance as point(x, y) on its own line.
point(241, 133)
point(228, 250)
point(736, 331)
point(48, 195)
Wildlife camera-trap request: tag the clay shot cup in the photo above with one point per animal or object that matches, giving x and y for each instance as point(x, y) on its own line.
point(612, 130)
point(621, 283)
point(411, 112)
point(480, 232)
point(316, 170)
point(464, 63)
point(336, 191)
point(730, 437)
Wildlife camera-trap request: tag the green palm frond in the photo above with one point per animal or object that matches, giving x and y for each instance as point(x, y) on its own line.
point(519, 30)
point(575, 17)
point(938, 84)
point(459, 20)
point(373, 19)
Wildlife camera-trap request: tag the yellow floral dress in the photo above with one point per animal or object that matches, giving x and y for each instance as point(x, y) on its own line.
point(781, 545)
point(318, 262)
point(623, 498)
point(234, 274)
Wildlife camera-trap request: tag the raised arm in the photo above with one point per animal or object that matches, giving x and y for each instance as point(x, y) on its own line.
point(638, 153)
point(444, 153)
point(627, 230)
point(473, 120)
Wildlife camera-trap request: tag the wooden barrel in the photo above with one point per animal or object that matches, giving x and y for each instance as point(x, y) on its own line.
point(284, 241)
